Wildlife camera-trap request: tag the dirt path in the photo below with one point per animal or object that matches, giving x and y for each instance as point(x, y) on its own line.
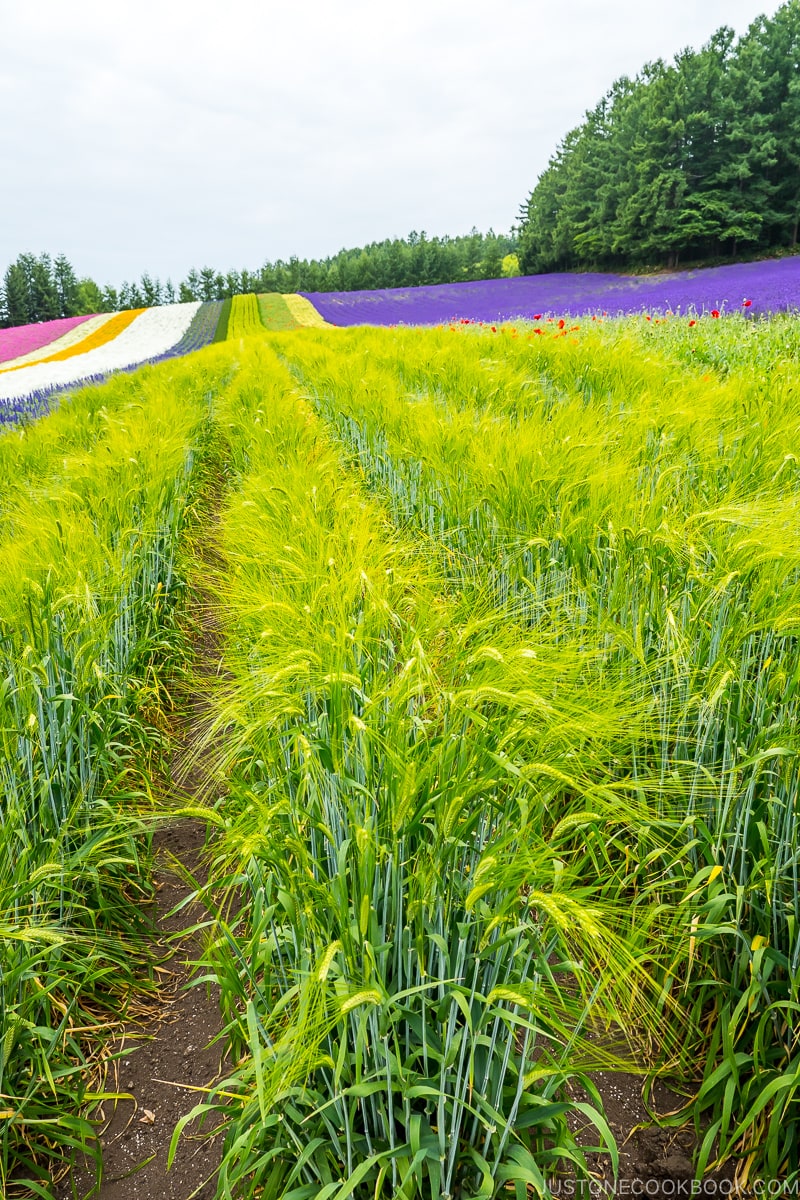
point(653, 1162)
point(163, 1065)
point(166, 1061)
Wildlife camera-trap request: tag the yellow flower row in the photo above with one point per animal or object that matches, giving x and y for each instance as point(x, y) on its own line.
point(304, 312)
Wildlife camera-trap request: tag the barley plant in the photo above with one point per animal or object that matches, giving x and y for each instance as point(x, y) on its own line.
point(93, 503)
point(415, 947)
point(502, 753)
point(634, 491)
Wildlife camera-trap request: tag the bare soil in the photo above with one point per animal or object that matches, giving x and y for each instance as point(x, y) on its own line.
point(164, 1067)
point(653, 1162)
point(158, 1067)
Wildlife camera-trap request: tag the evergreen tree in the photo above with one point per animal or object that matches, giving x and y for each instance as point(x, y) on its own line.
point(781, 36)
point(750, 144)
point(130, 296)
point(150, 291)
point(207, 284)
point(66, 286)
point(232, 285)
point(17, 297)
point(90, 299)
point(700, 158)
point(44, 297)
point(190, 288)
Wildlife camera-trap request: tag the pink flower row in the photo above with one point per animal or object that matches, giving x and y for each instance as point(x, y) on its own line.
point(23, 339)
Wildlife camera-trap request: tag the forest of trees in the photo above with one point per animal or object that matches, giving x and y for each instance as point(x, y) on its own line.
point(397, 262)
point(694, 161)
point(38, 288)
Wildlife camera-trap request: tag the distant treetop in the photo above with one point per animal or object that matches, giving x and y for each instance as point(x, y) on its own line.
point(693, 160)
point(40, 288)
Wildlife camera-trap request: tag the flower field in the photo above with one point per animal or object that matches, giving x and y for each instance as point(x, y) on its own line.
point(24, 339)
point(772, 286)
point(245, 317)
point(275, 313)
point(75, 336)
point(38, 361)
point(57, 355)
point(501, 734)
point(127, 339)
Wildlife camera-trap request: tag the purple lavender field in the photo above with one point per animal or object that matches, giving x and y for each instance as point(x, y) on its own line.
point(770, 286)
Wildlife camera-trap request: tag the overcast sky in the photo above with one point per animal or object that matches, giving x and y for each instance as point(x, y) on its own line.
point(162, 134)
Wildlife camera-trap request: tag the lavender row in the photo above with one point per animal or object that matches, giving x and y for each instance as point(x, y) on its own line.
point(761, 287)
point(199, 334)
point(39, 403)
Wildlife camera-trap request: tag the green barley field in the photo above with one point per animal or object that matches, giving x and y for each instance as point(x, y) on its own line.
point(504, 745)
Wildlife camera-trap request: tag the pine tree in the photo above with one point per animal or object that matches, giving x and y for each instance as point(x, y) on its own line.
point(17, 295)
point(782, 97)
point(150, 291)
point(207, 284)
point(190, 288)
point(90, 298)
point(44, 296)
point(66, 286)
point(700, 158)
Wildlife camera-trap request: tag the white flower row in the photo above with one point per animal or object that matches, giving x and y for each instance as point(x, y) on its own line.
point(152, 333)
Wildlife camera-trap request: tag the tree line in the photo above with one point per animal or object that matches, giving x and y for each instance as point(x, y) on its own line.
point(695, 160)
point(41, 288)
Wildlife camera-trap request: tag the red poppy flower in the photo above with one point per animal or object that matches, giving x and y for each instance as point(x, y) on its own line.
point(537, 316)
point(494, 329)
point(561, 323)
point(715, 312)
point(691, 323)
point(746, 303)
